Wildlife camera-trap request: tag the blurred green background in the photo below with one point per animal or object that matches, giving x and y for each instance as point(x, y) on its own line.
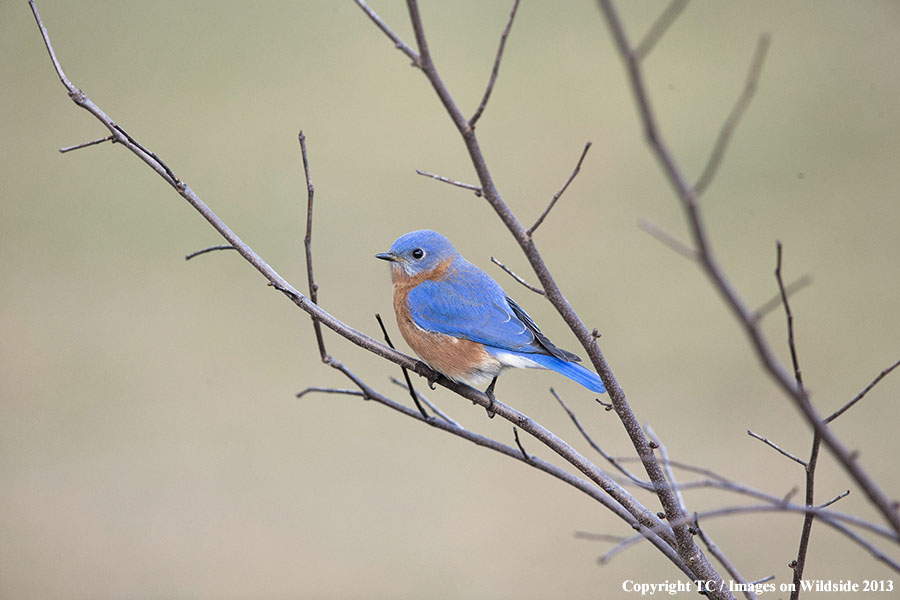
point(150, 442)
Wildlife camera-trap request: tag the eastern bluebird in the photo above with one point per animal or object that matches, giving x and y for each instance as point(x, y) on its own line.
point(461, 322)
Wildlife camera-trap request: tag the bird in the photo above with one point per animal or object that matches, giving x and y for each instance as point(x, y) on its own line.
point(461, 323)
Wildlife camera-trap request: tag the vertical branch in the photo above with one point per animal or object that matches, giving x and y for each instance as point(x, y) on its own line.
point(799, 563)
point(307, 244)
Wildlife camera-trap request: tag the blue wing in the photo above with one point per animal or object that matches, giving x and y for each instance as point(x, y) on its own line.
point(469, 304)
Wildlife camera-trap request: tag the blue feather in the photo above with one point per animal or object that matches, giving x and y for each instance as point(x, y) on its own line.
point(573, 371)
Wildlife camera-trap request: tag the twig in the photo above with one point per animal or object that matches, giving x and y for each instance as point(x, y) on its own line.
point(398, 43)
point(823, 516)
point(731, 123)
point(427, 402)
point(799, 563)
point(307, 245)
point(562, 190)
point(519, 444)
point(775, 301)
point(598, 537)
point(835, 499)
point(667, 239)
point(611, 459)
point(328, 390)
point(610, 554)
point(798, 377)
point(775, 447)
point(723, 560)
point(467, 186)
point(409, 385)
point(210, 249)
point(659, 28)
point(108, 138)
point(496, 68)
point(688, 198)
point(510, 272)
point(667, 467)
point(862, 394)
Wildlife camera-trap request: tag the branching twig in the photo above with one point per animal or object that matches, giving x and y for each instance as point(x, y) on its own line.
point(731, 123)
point(496, 69)
point(210, 249)
point(512, 274)
point(659, 28)
point(862, 394)
point(328, 390)
point(775, 301)
point(562, 190)
point(611, 459)
point(667, 239)
point(519, 444)
point(777, 448)
point(108, 138)
point(409, 385)
point(307, 245)
point(466, 186)
point(424, 399)
point(723, 560)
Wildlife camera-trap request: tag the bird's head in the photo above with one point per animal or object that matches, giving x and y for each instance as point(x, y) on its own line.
point(419, 252)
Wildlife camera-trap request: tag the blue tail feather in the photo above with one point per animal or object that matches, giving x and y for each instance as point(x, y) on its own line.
point(573, 371)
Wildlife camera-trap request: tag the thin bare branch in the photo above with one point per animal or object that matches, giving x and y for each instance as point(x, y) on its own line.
point(723, 560)
point(562, 190)
point(108, 138)
point(611, 459)
point(328, 390)
point(610, 554)
point(598, 537)
point(210, 249)
point(667, 239)
point(840, 496)
point(424, 399)
point(777, 448)
point(775, 301)
point(496, 68)
point(823, 517)
point(862, 394)
point(409, 385)
point(398, 43)
point(795, 361)
point(307, 245)
point(667, 466)
point(467, 186)
point(519, 444)
point(510, 272)
point(737, 112)
point(659, 28)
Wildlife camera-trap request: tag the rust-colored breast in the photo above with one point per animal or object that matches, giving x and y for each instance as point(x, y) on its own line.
point(458, 359)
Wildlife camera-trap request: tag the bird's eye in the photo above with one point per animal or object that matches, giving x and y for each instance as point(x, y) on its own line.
point(418, 253)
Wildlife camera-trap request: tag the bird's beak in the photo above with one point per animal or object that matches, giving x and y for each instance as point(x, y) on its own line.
point(386, 256)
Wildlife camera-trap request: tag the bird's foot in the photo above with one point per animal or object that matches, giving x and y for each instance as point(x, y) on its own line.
point(489, 392)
